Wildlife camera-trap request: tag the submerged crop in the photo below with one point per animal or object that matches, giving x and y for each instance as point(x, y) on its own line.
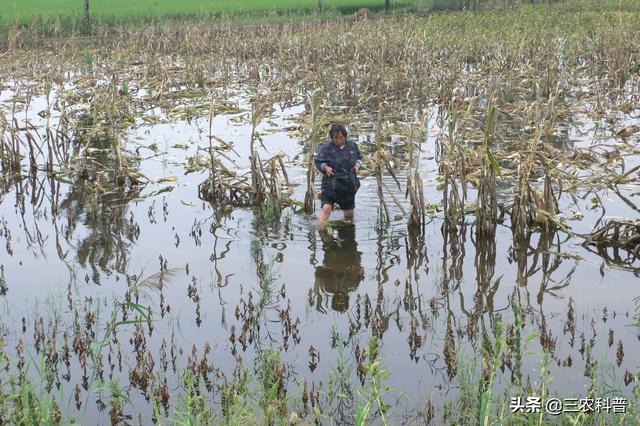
point(159, 257)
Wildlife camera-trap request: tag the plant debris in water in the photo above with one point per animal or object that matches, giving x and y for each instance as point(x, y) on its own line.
point(157, 194)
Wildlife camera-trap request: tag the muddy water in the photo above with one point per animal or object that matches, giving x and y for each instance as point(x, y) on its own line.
point(65, 249)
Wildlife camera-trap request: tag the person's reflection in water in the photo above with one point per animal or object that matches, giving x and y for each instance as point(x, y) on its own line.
point(341, 270)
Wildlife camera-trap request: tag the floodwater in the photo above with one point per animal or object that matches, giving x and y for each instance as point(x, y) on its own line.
point(69, 249)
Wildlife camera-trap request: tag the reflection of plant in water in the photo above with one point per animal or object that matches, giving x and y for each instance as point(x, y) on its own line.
point(453, 254)
point(110, 233)
point(266, 275)
point(617, 241)
point(263, 393)
point(35, 191)
point(26, 398)
point(4, 289)
point(255, 318)
point(502, 347)
point(485, 261)
point(543, 258)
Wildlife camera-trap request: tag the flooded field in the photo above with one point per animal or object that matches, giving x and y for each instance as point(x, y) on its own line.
point(160, 260)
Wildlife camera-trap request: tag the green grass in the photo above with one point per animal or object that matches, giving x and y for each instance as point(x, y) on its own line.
point(23, 9)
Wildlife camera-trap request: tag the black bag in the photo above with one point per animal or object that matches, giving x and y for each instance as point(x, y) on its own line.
point(343, 184)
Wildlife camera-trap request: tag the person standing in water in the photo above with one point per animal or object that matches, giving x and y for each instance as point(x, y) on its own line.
point(338, 156)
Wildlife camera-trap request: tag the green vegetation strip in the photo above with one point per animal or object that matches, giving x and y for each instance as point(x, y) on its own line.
point(121, 8)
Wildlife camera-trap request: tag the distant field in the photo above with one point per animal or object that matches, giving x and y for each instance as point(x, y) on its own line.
point(25, 8)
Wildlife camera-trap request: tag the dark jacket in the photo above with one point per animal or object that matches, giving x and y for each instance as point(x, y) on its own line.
point(344, 158)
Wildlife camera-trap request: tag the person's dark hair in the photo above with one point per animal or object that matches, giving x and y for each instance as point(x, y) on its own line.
point(337, 127)
point(340, 301)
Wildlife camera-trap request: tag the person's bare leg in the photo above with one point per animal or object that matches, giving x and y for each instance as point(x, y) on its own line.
point(324, 215)
point(348, 215)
